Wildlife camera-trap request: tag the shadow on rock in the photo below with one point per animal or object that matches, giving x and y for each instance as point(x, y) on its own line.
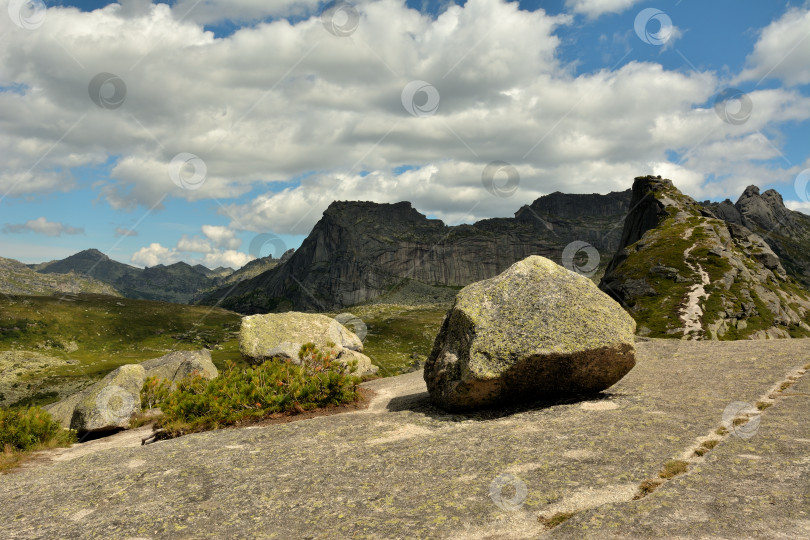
point(421, 403)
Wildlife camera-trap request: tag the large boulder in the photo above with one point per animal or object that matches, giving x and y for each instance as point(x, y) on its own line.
point(111, 402)
point(536, 331)
point(180, 364)
point(280, 335)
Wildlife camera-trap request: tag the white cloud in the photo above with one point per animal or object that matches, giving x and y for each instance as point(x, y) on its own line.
point(222, 236)
point(42, 226)
point(185, 250)
point(153, 255)
point(277, 101)
point(595, 8)
point(799, 206)
point(782, 50)
point(212, 11)
point(194, 245)
point(231, 258)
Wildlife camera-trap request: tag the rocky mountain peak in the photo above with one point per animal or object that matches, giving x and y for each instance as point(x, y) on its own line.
point(682, 271)
point(572, 206)
point(401, 212)
point(91, 253)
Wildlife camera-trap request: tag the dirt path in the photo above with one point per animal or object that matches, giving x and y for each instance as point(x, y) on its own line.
point(692, 313)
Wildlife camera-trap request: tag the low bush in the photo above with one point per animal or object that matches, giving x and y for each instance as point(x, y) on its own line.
point(239, 395)
point(25, 430)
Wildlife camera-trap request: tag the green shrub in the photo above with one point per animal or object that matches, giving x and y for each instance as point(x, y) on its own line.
point(238, 395)
point(29, 429)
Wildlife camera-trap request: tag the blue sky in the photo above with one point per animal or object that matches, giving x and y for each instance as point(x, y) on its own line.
point(286, 117)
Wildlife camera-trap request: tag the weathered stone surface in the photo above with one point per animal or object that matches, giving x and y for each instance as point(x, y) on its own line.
point(534, 332)
point(262, 337)
point(751, 486)
point(62, 411)
point(179, 364)
point(406, 469)
point(364, 365)
point(110, 403)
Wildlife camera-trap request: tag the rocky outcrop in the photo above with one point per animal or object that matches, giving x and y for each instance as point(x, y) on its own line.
point(178, 365)
point(281, 335)
point(535, 332)
point(786, 232)
point(358, 251)
point(110, 403)
point(684, 272)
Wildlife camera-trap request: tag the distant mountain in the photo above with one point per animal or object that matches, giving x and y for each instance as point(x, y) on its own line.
point(218, 272)
point(684, 272)
point(178, 282)
point(17, 278)
point(787, 232)
point(359, 251)
point(250, 270)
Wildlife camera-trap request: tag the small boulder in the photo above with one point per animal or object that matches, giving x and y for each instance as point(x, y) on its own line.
point(179, 364)
point(274, 335)
point(110, 403)
point(536, 331)
point(364, 365)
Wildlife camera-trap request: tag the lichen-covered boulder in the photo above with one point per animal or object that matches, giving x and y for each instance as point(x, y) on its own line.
point(364, 365)
point(179, 364)
point(536, 331)
point(62, 411)
point(280, 335)
point(110, 403)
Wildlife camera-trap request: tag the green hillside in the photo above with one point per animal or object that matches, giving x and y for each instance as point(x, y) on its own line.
point(57, 345)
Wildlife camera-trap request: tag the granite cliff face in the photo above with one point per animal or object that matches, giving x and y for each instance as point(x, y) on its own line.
point(786, 232)
point(361, 250)
point(684, 272)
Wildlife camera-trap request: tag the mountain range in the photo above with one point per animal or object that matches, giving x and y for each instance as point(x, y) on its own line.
point(681, 267)
point(178, 282)
point(359, 251)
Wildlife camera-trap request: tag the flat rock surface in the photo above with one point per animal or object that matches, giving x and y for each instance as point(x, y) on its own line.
point(404, 469)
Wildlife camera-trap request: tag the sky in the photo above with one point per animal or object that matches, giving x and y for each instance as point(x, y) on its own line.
point(215, 132)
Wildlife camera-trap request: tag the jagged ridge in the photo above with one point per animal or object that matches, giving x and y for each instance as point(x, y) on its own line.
point(360, 250)
point(683, 272)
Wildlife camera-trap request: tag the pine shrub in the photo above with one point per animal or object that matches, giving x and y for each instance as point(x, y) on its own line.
point(238, 395)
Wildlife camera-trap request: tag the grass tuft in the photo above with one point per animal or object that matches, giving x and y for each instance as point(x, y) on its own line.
point(647, 487)
point(556, 519)
point(673, 468)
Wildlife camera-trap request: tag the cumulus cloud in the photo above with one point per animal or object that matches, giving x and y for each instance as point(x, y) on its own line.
point(153, 255)
point(595, 8)
point(222, 236)
point(230, 258)
point(194, 245)
point(189, 249)
point(42, 226)
point(324, 115)
point(212, 11)
point(782, 50)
